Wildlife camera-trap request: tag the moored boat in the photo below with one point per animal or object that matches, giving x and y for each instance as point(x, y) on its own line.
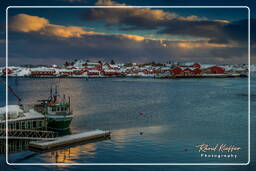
point(57, 111)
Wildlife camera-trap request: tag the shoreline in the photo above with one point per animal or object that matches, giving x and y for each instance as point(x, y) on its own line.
point(155, 77)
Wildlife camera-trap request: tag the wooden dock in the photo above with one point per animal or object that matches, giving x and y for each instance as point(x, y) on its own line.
point(68, 140)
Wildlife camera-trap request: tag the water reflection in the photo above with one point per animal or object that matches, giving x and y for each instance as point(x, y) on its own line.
point(71, 154)
point(14, 146)
point(177, 114)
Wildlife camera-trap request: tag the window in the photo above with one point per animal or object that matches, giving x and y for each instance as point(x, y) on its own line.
point(17, 125)
point(34, 124)
point(23, 125)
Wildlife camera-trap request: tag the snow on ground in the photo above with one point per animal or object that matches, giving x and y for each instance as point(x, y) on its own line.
point(23, 72)
point(120, 68)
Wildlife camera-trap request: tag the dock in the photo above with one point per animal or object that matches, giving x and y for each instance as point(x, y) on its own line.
point(68, 140)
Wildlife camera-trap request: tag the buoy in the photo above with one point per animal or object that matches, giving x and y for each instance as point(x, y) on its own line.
point(141, 113)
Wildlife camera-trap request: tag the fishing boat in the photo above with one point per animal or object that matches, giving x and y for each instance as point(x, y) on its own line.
point(53, 114)
point(57, 111)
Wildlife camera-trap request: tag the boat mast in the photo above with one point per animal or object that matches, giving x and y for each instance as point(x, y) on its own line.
point(69, 103)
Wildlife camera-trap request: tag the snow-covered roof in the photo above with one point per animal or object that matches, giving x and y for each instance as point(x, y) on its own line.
point(42, 69)
point(11, 109)
point(109, 70)
point(113, 65)
point(165, 68)
point(65, 70)
point(92, 63)
point(93, 71)
point(204, 66)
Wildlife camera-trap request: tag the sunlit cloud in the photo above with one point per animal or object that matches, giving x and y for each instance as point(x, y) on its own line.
point(133, 37)
point(27, 23)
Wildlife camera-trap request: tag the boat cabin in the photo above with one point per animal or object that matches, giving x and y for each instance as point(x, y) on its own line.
point(58, 109)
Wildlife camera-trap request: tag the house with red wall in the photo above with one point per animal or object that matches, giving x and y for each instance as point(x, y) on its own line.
point(93, 65)
point(41, 72)
point(7, 71)
point(176, 71)
point(215, 70)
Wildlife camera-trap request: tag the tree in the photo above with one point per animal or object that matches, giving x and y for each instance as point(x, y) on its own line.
point(66, 63)
point(128, 64)
point(112, 62)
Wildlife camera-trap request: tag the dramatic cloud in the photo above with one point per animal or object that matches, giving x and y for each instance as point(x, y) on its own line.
point(121, 49)
point(134, 17)
point(35, 38)
point(27, 23)
point(217, 32)
point(166, 22)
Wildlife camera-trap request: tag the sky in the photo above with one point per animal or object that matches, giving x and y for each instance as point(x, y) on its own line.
point(45, 36)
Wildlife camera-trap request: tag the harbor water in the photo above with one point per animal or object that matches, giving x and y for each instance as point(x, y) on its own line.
point(151, 121)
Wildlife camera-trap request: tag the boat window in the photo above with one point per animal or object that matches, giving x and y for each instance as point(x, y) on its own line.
point(34, 124)
point(17, 125)
point(29, 124)
point(53, 108)
point(62, 109)
point(23, 125)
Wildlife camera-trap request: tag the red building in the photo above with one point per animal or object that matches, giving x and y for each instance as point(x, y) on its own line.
point(78, 72)
point(42, 72)
point(93, 73)
point(93, 66)
point(65, 72)
point(196, 65)
point(109, 73)
point(197, 71)
point(216, 70)
point(188, 72)
point(177, 71)
point(7, 71)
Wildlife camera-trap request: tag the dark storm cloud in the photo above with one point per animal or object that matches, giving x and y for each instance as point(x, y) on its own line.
point(218, 31)
point(32, 48)
point(135, 18)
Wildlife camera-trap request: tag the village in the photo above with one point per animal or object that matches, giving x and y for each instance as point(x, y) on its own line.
point(88, 69)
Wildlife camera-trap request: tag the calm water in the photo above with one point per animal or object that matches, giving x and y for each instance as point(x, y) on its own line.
point(177, 116)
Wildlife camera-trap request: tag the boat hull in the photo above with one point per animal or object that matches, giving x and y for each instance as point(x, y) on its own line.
point(59, 124)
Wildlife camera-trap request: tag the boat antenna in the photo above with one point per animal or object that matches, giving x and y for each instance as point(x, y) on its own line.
point(69, 103)
point(56, 91)
point(64, 98)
